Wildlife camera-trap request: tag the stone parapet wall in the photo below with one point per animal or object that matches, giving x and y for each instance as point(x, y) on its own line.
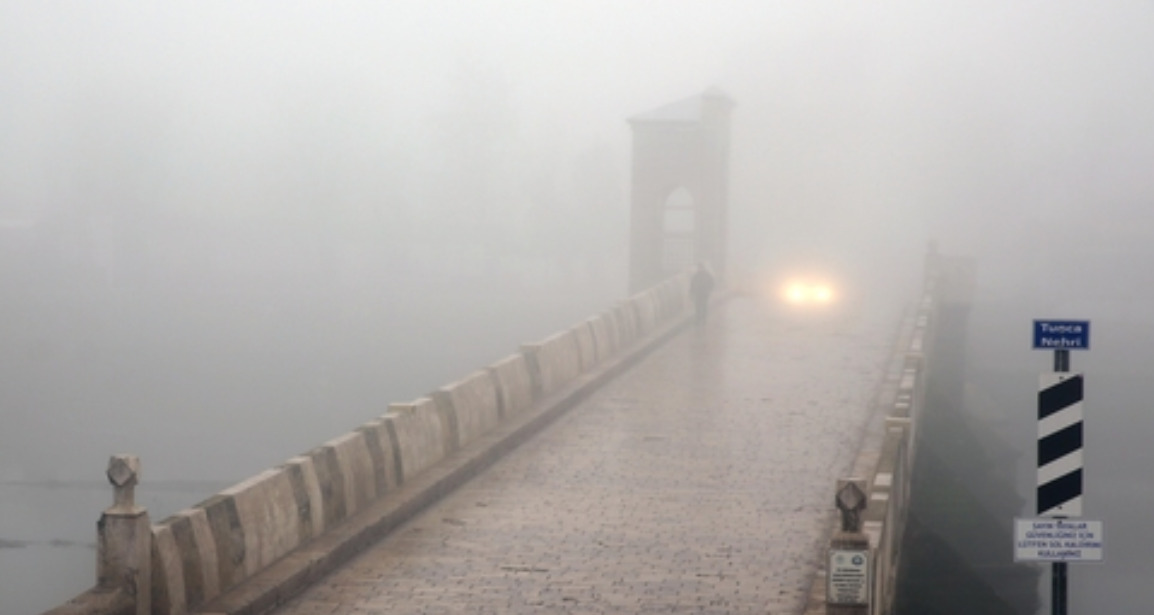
point(886, 457)
point(297, 518)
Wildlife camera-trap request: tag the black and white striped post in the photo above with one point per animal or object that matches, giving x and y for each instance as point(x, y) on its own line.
point(1060, 439)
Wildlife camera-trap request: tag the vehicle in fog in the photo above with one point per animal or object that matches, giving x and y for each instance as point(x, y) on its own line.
point(808, 291)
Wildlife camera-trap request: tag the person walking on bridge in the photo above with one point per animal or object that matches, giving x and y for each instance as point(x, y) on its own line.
point(700, 287)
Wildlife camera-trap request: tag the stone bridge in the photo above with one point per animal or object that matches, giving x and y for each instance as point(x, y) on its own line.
point(638, 461)
point(635, 462)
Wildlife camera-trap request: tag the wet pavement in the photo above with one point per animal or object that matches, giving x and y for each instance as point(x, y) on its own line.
point(699, 482)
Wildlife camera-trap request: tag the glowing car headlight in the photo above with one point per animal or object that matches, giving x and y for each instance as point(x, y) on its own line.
point(808, 293)
point(795, 293)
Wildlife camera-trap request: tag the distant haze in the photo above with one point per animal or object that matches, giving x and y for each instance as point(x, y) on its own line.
point(853, 119)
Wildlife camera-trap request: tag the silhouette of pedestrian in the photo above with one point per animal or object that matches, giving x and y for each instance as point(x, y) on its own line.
point(700, 287)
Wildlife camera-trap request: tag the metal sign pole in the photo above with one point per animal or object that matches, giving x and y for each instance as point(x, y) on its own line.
point(1058, 569)
point(1053, 537)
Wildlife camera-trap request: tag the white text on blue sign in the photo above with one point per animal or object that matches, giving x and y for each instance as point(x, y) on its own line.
point(1061, 335)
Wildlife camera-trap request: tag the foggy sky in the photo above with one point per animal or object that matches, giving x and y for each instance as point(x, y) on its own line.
point(899, 116)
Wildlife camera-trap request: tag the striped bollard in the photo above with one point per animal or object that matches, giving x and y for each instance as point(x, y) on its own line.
point(1060, 445)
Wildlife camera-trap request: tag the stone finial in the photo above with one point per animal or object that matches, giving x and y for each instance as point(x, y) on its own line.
point(123, 539)
point(124, 473)
point(851, 501)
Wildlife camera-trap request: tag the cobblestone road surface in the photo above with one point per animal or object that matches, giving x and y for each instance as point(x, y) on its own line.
point(700, 482)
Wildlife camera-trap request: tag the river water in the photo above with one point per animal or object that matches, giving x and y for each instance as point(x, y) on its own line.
point(48, 552)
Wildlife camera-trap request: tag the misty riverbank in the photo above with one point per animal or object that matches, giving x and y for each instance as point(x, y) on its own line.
point(211, 380)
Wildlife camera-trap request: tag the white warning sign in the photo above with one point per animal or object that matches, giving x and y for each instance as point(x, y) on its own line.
point(1057, 540)
point(848, 577)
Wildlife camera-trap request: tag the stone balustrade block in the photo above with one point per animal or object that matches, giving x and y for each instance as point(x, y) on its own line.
point(474, 403)
point(586, 346)
point(421, 434)
point(514, 384)
point(557, 359)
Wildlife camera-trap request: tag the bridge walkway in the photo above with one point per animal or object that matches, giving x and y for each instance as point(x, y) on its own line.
point(698, 482)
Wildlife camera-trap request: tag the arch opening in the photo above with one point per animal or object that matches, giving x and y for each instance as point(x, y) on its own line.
point(679, 231)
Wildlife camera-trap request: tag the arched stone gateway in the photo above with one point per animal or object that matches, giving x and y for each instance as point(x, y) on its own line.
point(680, 187)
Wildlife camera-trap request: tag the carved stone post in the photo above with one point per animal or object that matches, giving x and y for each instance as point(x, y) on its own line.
point(124, 537)
point(848, 574)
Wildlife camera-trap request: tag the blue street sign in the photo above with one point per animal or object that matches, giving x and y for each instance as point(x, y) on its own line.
point(1061, 335)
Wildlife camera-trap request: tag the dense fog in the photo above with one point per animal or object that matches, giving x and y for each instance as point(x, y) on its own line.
point(231, 231)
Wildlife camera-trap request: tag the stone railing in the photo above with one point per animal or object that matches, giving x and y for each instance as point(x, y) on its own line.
point(881, 474)
point(251, 546)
